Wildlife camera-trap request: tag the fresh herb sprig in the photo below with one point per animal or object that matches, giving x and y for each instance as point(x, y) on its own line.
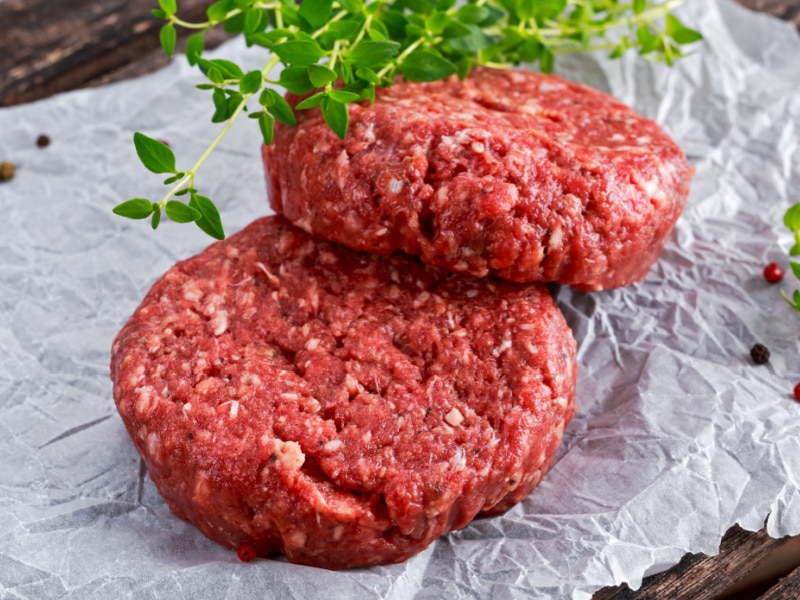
point(792, 220)
point(336, 52)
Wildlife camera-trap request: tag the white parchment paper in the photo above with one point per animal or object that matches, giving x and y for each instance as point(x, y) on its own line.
point(678, 435)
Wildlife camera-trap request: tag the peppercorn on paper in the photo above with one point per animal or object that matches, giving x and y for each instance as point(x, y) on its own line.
point(678, 435)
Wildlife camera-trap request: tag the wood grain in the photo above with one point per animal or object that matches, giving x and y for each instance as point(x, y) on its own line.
point(702, 577)
point(47, 47)
point(788, 10)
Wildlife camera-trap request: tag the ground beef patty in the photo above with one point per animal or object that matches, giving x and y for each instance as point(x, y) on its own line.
point(338, 407)
point(517, 174)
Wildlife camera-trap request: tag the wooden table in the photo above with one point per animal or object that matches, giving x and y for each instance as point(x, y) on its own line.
point(48, 47)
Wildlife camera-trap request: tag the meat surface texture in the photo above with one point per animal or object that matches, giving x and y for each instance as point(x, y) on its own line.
point(341, 408)
point(509, 173)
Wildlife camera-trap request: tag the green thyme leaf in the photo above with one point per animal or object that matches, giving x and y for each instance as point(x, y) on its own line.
point(266, 124)
point(296, 80)
point(371, 53)
point(311, 101)
point(278, 107)
point(321, 75)
point(344, 96)
point(795, 268)
point(209, 220)
point(136, 208)
point(352, 6)
point(180, 212)
point(680, 33)
point(156, 218)
point(195, 44)
point(422, 65)
point(299, 53)
point(791, 218)
point(219, 10)
point(169, 7)
point(168, 36)
point(156, 156)
point(794, 302)
point(316, 12)
point(253, 19)
point(251, 83)
point(336, 116)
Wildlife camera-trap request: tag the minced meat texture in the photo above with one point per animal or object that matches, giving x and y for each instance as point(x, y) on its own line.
point(337, 407)
point(509, 173)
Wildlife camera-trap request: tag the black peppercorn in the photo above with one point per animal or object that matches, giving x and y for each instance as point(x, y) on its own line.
point(43, 141)
point(760, 354)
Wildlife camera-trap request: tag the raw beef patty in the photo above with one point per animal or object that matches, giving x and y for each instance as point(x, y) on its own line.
point(341, 408)
point(511, 173)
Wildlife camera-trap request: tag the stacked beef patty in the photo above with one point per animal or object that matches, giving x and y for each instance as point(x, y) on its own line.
point(515, 174)
point(347, 408)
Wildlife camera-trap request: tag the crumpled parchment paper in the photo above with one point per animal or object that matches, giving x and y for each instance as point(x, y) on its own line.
point(678, 435)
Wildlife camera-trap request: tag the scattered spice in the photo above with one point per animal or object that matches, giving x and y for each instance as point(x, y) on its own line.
point(246, 553)
point(760, 354)
point(6, 171)
point(773, 273)
point(43, 141)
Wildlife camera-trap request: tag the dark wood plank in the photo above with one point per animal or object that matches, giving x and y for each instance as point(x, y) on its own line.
point(47, 47)
point(702, 577)
point(787, 588)
point(789, 10)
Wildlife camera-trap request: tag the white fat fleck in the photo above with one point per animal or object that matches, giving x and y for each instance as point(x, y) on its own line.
point(296, 539)
point(289, 396)
point(192, 292)
point(421, 299)
point(234, 408)
point(289, 455)
point(478, 147)
point(206, 386)
point(270, 276)
point(561, 401)
point(153, 445)
point(549, 86)
point(333, 445)
point(531, 348)
point(650, 186)
point(471, 293)
point(381, 232)
point(454, 417)
point(219, 322)
point(555, 238)
point(459, 460)
point(643, 139)
point(338, 532)
point(186, 407)
point(617, 137)
point(505, 345)
point(312, 344)
point(352, 384)
point(395, 185)
point(367, 437)
point(144, 400)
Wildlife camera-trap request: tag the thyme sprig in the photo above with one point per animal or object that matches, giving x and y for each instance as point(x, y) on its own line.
point(336, 52)
point(792, 220)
